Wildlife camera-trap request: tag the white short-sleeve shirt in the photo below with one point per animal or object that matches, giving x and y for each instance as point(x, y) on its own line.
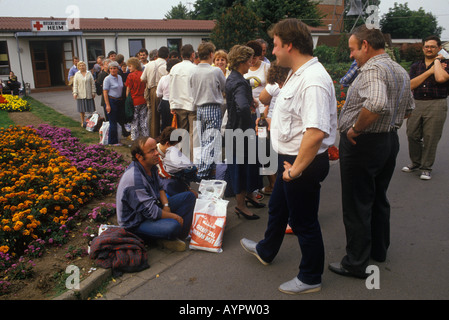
point(307, 100)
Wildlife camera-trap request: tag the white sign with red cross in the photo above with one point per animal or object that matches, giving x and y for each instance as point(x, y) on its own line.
point(49, 25)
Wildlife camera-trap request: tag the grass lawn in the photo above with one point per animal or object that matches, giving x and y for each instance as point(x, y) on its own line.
point(5, 120)
point(54, 118)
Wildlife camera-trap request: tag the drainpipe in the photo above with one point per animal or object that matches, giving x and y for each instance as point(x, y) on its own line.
point(116, 36)
point(20, 60)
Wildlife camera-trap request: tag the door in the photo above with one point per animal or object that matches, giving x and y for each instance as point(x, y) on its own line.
point(67, 58)
point(39, 60)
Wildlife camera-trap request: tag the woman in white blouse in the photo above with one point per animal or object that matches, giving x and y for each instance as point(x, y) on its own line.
point(84, 91)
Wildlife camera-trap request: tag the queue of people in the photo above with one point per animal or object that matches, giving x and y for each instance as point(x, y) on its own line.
point(232, 90)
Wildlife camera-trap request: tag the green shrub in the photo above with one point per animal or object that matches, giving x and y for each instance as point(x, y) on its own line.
point(325, 54)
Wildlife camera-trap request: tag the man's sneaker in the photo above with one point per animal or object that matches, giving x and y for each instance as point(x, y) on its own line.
point(250, 246)
point(173, 245)
point(425, 175)
point(410, 168)
point(295, 286)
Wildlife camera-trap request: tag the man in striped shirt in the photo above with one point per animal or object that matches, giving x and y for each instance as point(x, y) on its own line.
point(377, 102)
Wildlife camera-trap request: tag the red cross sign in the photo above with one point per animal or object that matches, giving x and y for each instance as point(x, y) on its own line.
point(37, 26)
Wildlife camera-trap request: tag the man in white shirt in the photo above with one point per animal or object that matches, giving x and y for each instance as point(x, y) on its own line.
point(151, 75)
point(302, 128)
point(181, 100)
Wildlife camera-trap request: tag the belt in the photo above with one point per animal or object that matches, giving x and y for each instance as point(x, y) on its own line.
point(110, 97)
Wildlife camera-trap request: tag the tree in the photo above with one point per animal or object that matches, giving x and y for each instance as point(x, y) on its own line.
point(272, 11)
point(179, 12)
point(402, 23)
point(213, 9)
point(237, 25)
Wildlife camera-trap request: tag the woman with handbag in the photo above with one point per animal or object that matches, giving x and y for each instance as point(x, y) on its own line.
point(136, 88)
point(84, 90)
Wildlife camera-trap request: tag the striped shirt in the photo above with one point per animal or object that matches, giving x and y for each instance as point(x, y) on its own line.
point(383, 87)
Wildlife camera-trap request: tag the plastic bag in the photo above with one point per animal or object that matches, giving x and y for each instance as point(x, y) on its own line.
point(92, 122)
point(210, 189)
point(103, 132)
point(209, 220)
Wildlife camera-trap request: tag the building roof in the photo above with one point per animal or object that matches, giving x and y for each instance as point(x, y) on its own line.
point(16, 24)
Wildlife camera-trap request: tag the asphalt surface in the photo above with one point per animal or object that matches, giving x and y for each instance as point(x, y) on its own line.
point(416, 267)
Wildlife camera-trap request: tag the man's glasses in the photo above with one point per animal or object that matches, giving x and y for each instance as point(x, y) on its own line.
point(430, 47)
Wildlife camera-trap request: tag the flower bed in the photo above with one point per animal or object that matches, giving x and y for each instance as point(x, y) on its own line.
point(46, 176)
point(12, 103)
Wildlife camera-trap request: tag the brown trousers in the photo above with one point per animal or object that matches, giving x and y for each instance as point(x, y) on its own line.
point(154, 122)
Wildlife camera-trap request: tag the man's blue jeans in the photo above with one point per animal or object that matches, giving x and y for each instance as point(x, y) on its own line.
point(297, 203)
point(182, 204)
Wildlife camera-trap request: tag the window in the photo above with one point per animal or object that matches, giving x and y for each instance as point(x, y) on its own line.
point(135, 45)
point(95, 48)
point(4, 59)
point(174, 45)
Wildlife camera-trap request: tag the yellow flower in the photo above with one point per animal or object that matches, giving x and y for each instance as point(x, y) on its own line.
point(4, 249)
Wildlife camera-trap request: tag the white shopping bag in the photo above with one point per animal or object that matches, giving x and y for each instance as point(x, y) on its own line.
point(209, 220)
point(104, 132)
point(210, 189)
point(92, 122)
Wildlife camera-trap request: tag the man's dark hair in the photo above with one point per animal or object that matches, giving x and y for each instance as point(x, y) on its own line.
point(110, 53)
point(256, 46)
point(163, 52)
point(433, 37)
point(166, 134)
point(186, 51)
point(295, 32)
point(171, 63)
point(144, 50)
point(374, 37)
point(136, 147)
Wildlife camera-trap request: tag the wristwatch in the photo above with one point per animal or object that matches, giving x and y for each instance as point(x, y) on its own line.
point(166, 205)
point(356, 131)
point(293, 178)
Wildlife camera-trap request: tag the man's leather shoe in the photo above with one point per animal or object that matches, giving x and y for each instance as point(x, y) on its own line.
point(339, 269)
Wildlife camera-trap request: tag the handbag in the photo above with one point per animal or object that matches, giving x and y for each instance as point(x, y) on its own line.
point(129, 109)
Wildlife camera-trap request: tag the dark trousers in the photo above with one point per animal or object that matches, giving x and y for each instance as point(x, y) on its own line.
point(297, 203)
point(366, 170)
point(113, 119)
point(166, 115)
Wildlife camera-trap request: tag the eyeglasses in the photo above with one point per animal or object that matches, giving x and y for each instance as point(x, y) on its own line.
point(430, 47)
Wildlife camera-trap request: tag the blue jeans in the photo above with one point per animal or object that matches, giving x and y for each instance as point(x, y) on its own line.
point(182, 204)
point(297, 203)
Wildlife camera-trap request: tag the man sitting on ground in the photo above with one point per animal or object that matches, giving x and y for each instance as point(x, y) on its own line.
point(142, 204)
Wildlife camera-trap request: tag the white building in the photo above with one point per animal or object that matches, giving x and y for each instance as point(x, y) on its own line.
point(40, 50)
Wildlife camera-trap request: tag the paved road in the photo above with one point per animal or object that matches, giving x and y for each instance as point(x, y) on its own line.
point(416, 266)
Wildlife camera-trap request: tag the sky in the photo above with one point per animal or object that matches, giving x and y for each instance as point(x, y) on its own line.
point(156, 9)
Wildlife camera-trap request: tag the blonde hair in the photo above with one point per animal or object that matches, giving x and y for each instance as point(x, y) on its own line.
point(239, 54)
point(221, 54)
point(80, 63)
